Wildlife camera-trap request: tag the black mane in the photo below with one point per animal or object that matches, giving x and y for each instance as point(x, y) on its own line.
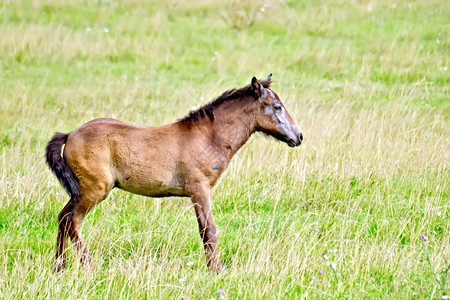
point(208, 109)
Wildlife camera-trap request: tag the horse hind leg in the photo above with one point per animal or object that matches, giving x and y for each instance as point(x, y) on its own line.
point(64, 220)
point(70, 220)
point(69, 225)
point(79, 213)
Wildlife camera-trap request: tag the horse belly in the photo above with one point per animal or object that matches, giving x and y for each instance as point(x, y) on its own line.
point(145, 161)
point(153, 187)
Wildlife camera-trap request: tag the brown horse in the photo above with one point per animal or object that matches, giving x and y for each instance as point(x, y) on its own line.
point(185, 159)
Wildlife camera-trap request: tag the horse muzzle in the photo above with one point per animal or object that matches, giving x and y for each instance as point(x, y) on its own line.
point(297, 142)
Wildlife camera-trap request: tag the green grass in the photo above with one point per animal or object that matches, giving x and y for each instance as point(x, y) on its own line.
point(368, 83)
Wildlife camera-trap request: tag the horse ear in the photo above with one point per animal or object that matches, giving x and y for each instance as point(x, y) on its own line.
point(256, 87)
point(269, 78)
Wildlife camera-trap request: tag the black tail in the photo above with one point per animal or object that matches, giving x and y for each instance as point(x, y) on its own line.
point(58, 165)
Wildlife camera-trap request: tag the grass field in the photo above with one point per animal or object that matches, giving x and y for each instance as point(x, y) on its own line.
point(340, 216)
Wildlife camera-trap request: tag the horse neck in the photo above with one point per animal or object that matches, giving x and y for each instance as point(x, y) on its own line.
point(233, 125)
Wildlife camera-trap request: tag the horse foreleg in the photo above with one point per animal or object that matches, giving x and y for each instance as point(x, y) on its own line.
point(201, 198)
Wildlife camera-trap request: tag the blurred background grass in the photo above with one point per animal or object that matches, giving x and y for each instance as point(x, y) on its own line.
point(367, 81)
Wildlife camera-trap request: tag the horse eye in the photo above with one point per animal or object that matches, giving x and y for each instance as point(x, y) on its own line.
point(277, 107)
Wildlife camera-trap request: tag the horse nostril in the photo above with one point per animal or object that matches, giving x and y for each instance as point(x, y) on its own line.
point(300, 138)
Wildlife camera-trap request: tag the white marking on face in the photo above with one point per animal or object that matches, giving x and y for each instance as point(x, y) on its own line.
point(263, 92)
point(282, 119)
point(281, 116)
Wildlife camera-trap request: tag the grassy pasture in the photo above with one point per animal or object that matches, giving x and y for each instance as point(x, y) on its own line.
point(367, 81)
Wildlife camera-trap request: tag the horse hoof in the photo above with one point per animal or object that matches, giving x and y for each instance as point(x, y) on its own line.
point(59, 266)
point(219, 270)
point(86, 262)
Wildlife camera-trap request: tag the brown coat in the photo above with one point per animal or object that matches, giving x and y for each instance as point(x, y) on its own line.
point(185, 158)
